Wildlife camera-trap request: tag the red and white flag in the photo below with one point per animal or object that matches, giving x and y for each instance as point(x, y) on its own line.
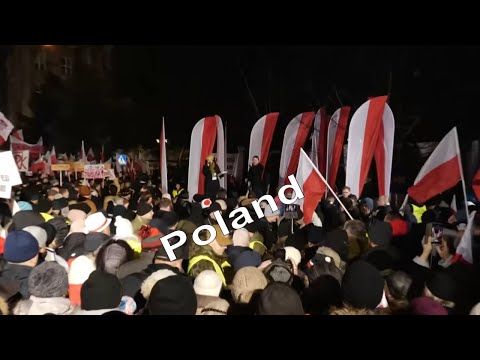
point(83, 156)
point(35, 149)
point(335, 139)
point(163, 159)
point(6, 128)
point(53, 156)
point(39, 165)
point(204, 134)
point(370, 135)
point(295, 137)
point(441, 171)
point(313, 186)
point(18, 134)
point(453, 205)
point(464, 249)
point(261, 137)
point(90, 155)
point(476, 184)
point(318, 153)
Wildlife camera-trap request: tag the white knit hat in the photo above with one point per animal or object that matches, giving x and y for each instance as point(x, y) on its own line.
point(208, 283)
point(39, 234)
point(80, 270)
point(293, 254)
point(150, 282)
point(96, 222)
point(241, 238)
point(124, 229)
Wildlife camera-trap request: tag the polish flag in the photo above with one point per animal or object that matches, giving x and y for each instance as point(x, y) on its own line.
point(83, 156)
point(18, 134)
point(163, 160)
point(53, 156)
point(313, 186)
point(90, 155)
point(441, 171)
point(476, 184)
point(261, 137)
point(6, 128)
point(295, 137)
point(335, 139)
point(370, 136)
point(464, 249)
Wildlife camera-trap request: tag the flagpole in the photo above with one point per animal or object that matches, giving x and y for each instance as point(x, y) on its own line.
point(461, 171)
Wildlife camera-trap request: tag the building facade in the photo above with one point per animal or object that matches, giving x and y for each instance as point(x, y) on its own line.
point(28, 67)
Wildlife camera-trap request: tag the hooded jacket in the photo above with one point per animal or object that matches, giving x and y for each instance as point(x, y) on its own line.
point(41, 306)
point(17, 274)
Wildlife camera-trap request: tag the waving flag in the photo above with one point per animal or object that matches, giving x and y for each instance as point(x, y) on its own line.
point(261, 137)
point(335, 139)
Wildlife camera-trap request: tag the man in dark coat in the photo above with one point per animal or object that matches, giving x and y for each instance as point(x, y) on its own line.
point(212, 175)
point(255, 174)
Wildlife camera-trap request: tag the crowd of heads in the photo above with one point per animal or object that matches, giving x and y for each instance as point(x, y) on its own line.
point(95, 248)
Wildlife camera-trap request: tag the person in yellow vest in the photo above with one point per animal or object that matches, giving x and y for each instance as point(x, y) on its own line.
point(177, 191)
point(210, 257)
point(256, 239)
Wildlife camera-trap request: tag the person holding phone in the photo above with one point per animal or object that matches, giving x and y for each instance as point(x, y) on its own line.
point(212, 177)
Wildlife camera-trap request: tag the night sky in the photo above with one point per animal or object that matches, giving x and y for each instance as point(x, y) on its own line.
point(438, 86)
point(432, 89)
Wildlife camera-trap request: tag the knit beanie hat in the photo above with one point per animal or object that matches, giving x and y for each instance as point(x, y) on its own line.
point(80, 270)
point(39, 234)
point(20, 246)
point(362, 285)
point(101, 291)
point(47, 280)
point(245, 282)
point(241, 238)
point(208, 283)
point(173, 295)
point(279, 299)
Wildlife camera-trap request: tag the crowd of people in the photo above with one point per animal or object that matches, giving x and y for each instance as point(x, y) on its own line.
point(95, 248)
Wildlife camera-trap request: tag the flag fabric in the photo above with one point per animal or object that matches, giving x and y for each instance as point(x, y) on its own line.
point(476, 184)
point(441, 171)
point(337, 128)
point(464, 249)
point(294, 139)
point(313, 186)
point(83, 156)
point(163, 159)
point(18, 134)
point(53, 156)
point(453, 204)
point(261, 137)
point(203, 137)
point(318, 153)
point(35, 149)
point(6, 128)
point(370, 136)
point(90, 155)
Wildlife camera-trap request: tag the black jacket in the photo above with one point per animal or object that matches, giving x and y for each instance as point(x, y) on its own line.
point(16, 275)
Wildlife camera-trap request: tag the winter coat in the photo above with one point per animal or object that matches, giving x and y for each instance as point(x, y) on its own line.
point(41, 306)
point(202, 265)
point(211, 185)
point(210, 304)
point(17, 275)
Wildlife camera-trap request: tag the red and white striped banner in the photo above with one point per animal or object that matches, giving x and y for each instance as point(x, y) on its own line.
point(371, 135)
point(336, 137)
point(295, 137)
point(204, 134)
point(261, 137)
point(318, 154)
